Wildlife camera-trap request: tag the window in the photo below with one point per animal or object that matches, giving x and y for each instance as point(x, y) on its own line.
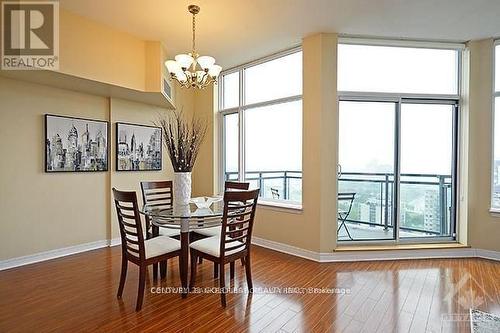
point(398, 131)
point(397, 69)
point(495, 187)
point(262, 127)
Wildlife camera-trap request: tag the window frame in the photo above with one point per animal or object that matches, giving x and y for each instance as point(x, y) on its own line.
point(240, 110)
point(495, 94)
point(399, 99)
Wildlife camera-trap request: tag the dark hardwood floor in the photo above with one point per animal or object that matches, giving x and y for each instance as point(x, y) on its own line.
point(78, 294)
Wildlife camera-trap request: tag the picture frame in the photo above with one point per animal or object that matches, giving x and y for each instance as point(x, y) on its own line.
point(138, 147)
point(75, 144)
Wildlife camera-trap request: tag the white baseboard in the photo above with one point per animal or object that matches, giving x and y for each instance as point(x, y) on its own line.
point(397, 255)
point(285, 248)
point(376, 255)
point(52, 254)
point(488, 254)
point(114, 242)
point(276, 246)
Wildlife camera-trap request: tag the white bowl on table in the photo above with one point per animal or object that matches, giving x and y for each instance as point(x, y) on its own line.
point(204, 202)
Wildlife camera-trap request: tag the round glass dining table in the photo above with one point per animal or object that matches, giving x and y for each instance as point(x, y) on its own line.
point(185, 218)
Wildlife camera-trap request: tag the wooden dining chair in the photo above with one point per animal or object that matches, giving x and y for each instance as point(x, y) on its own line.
point(231, 245)
point(228, 186)
point(158, 194)
point(215, 231)
point(134, 248)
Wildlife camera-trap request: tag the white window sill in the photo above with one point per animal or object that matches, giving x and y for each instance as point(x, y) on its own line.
point(280, 206)
point(495, 212)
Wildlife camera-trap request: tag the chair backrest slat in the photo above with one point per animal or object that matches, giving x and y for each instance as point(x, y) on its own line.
point(236, 186)
point(130, 225)
point(235, 247)
point(133, 249)
point(158, 194)
point(126, 208)
point(237, 220)
point(236, 238)
point(126, 216)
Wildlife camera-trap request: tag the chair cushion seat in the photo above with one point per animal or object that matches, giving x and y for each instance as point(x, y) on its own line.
point(213, 231)
point(169, 232)
point(211, 246)
point(160, 245)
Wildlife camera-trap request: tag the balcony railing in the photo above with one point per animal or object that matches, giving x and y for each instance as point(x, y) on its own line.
point(434, 190)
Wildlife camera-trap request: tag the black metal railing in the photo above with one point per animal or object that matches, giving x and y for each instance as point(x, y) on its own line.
point(260, 178)
point(385, 183)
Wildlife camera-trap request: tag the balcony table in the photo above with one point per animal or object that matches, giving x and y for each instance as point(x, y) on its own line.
point(185, 218)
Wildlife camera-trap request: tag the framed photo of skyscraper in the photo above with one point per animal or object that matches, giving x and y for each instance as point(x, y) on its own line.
point(138, 147)
point(75, 144)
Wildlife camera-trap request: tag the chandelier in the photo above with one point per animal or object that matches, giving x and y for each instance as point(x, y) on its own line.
point(193, 70)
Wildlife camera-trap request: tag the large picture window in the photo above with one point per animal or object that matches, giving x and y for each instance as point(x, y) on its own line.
point(261, 123)
point(495, 186)
point(398, 130)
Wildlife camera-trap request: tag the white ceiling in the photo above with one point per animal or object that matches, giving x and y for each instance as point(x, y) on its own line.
point(237, 31)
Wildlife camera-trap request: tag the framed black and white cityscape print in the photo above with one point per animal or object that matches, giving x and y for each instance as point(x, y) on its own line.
point(138, 147)
point(75, 144)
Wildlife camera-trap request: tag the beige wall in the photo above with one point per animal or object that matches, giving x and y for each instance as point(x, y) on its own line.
point(205, 169)
point(483, 228)
point(52, 211)
point(45, 210)
point(313, 228)
point(137, 113)
point(42, 211)
point(94, 51)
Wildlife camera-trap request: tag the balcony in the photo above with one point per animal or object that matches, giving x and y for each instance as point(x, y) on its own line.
point(425, 211)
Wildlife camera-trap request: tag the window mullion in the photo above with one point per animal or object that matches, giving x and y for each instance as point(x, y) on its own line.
point(241, 127)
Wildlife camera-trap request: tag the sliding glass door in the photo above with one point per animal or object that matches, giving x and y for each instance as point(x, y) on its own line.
point(366, 170)
point(427, 170)
point(397, 163)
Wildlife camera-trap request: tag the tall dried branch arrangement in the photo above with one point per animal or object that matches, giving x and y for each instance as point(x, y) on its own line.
point(182, 138)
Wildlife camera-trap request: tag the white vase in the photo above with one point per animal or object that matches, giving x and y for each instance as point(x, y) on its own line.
point(182, 188)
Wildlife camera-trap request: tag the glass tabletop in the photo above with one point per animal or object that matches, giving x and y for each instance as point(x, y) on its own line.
point(185, 211)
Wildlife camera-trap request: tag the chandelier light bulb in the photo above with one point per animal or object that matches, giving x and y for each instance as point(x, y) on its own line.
point(215, 70)
point(184, 60)
point(172, 66)
point(206, 62)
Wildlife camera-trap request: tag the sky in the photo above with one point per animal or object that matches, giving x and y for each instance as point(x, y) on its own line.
point(273, 134)
point(367, 136)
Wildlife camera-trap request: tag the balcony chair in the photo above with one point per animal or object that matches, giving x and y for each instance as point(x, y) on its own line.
point(234, 241)
point(134, 248)
point(343, 214)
